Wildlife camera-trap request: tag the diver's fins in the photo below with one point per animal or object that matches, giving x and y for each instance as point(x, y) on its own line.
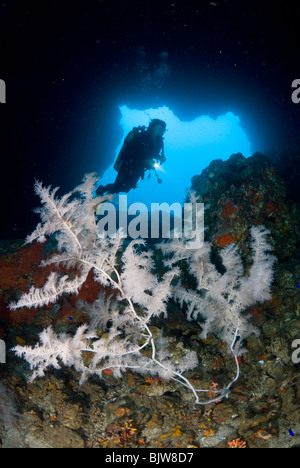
point(100, 190)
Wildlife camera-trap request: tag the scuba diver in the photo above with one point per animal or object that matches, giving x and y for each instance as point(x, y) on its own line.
point(140, 148)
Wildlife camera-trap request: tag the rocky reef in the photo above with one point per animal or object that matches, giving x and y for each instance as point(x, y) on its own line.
point(263, 409)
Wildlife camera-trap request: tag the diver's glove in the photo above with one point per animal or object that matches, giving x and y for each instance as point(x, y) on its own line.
point(162, 158)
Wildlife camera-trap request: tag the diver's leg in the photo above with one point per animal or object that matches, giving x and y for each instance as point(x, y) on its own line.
point(116, 187)
point(102, 189)
point(125, 181)
point(121, 183)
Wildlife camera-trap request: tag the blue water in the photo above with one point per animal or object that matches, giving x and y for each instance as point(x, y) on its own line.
point(189, 148)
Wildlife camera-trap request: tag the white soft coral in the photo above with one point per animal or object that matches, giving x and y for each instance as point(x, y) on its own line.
point(119, 335)
point(220, 299)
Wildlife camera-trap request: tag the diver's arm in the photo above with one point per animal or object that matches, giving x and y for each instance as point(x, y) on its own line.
point(161, 157)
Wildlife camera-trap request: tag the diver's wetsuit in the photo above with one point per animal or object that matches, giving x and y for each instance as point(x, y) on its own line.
point(138, 150)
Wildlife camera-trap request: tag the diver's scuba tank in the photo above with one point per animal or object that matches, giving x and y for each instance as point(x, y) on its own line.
point(133, 133)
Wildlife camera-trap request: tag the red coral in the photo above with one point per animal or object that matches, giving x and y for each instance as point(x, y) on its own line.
point(228, 210)
point(15, 270)
point(225, 240)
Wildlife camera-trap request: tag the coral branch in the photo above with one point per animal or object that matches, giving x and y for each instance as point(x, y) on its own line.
point(119, 335)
